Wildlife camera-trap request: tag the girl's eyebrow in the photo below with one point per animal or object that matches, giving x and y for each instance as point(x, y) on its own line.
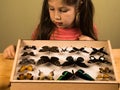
point(62, 7)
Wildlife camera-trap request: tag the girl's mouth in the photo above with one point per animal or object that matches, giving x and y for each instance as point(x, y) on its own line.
point(59, 23)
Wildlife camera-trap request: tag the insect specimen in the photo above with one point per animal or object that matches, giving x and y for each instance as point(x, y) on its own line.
point(100, 60)
point(27, 76)
point(79, 73)
point(28, 53)
point(49, 49)
point(105, 70)
point(46, 59)
point(26, 68)
point(105, 74)
point(104, 77)
point(27, 61)
point(98, 51)
point(64, 49)
point(78, 50)
point(70, 61)
point(29, 47)
point(21, 77)
point(42, 76)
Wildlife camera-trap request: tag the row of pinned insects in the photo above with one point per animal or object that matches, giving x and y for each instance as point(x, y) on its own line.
point(79, 61)
point(69, 60)
point(66, 75)
point(104, 74)
point(55, 49)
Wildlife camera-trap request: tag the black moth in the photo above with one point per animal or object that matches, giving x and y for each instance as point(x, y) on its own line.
point(97, 51)
point(70, 61)
point(46, 59)
point(101, 59)
point(49, 49)
point(78, 50)
point(28, 53)
point(27, 61)
point(29, 47)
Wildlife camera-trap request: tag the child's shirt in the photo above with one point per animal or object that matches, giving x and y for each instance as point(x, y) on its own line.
point(65, 34)
point(61, 34)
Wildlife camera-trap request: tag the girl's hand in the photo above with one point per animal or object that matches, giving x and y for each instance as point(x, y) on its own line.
point(9, 52)
point(85, 38)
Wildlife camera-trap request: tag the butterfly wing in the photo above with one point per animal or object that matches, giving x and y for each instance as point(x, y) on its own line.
point(43, 59)
point(29, 76)
point(25, 54)
point(41, 75)
point(25, 47)
point(21, 77)
point(83, 50)
point(24, 61)
point(65, 76)
point(34, 47)
point(101, 50)
point(81, 74)
point(22, 68)
point(55, 61)
point(31, 61)
point(50, 76)
point(70, 61)
point(54, 49)
point(31, 54)
point(73, 50)
point(92, 59)
point(94, 51)
point(44, 49)
point(80, 63)
point(103, 60)
point(64, 49)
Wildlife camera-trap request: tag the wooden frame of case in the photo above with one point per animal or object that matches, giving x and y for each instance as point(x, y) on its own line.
point(69, 85)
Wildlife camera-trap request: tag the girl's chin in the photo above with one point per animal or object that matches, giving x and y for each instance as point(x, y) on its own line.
point(61, 26)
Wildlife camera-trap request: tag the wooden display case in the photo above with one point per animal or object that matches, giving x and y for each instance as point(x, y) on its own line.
point(96, 56)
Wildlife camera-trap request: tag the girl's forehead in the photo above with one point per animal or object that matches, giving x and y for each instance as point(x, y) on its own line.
point(55, 1)
point(58, 3)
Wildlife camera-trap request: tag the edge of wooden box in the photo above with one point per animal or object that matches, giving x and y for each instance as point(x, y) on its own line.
point(47, 81)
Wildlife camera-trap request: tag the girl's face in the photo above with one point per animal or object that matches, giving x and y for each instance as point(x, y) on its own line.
point(62, 15)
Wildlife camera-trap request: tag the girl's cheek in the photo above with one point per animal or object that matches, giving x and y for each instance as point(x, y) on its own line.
point(51, 17)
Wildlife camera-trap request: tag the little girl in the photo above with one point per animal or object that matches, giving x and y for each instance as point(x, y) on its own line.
point(63, 20)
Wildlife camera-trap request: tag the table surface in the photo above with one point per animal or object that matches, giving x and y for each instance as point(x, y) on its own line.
point(6, 67)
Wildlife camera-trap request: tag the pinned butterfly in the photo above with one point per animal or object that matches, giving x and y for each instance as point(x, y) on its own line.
point(66, 75)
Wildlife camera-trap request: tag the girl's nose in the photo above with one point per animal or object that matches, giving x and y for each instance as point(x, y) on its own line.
point(57, 16)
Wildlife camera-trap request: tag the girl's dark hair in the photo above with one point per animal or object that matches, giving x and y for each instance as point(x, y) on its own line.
point(84, 19)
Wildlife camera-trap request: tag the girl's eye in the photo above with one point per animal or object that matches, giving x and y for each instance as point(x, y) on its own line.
point(51, 9)
point(63, 10)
